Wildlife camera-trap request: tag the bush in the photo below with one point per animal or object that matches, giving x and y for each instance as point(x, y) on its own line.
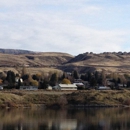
point(66, 81)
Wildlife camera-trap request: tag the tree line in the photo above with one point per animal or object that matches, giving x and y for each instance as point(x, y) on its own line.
point(42, 81)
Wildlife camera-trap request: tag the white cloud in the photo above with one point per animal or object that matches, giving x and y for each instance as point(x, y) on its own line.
point(49, 30)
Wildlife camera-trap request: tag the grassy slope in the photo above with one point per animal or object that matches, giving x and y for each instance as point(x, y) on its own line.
point(17, 98)
point(109, 62)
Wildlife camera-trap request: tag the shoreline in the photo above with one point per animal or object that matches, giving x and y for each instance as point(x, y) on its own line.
point(61, 99)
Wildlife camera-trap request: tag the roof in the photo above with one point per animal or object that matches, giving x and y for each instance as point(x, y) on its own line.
point(80, 84)
point(67, 85)
point(104, 87)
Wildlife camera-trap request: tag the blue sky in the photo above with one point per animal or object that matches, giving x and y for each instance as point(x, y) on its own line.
point(71, 26)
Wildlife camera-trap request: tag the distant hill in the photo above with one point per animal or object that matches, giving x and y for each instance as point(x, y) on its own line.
point(15, 51)
point(112, 62)
point(10, 58)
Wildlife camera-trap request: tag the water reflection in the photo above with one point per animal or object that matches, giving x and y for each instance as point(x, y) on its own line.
point(72, 119)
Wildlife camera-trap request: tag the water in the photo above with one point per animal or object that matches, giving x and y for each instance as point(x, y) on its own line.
point(72, 119)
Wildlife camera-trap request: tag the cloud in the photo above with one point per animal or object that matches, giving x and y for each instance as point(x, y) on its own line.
point(39, 29)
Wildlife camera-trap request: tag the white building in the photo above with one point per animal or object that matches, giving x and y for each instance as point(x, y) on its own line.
point(1, 87)
point(104, 88)
point(65, 87)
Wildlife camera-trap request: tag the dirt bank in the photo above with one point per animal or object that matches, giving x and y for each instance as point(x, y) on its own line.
point(88, 98)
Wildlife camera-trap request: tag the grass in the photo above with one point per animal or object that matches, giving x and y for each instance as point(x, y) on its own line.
point(16, 98)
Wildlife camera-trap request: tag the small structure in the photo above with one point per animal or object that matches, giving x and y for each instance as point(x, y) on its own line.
point(65, 87)
point(1, 87)
point(103, 88)
point(49, 88)
point(80, 85)
point(17, 80)
point(28, 88)
point(122, 85)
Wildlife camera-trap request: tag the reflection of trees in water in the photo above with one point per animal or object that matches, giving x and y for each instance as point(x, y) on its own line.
point(80, 119)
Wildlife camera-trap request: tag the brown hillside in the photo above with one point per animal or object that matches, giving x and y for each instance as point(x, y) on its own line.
point(35, 62)
point(115, 62)
point(32, 60)
point(112, 62)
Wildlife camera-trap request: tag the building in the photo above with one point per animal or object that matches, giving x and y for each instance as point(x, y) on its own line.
point(65, 87)
point(49, 88)
point(1, 87)
point(80, 85)
point(103, 88)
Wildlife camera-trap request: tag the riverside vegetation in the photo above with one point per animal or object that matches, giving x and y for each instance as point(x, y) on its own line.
point(58, 99)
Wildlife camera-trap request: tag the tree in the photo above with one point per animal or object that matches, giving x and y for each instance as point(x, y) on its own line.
point(34, 83)
point(43, 84)
point(103, 77)
point(66, 81)
point(118, 80)
point(11, 79)
point(53, 79)
point(75, 74)
point(25, 77)
point(93, 82)
point(63, 76)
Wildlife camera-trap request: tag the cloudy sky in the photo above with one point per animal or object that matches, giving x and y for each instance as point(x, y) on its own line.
point(71, 26)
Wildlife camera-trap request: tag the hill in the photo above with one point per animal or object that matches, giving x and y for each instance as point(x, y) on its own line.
point(112, 62)
point(37, 61)
point(15, 51)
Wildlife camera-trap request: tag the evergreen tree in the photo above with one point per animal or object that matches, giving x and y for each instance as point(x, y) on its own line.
point(63, 76)
point(75, 74)
point(11, 79)
point(53, 79)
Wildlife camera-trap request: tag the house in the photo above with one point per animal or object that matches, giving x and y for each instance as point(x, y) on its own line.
point(122, 85)
point(80, 85)
point(28, 88)
point(49, 88)
point(103, 88)
point(65, 87)
point(77, 80)
point(17, 80)
point(1, 87)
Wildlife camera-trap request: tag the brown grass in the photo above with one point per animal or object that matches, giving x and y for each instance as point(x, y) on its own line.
point(51, 98)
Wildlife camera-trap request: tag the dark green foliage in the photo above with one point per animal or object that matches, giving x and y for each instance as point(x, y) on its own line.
point(93, 82)
point(63, 76)
point(53, 79)
point(35, 77)
point(82, 77)
point(128, 84)
point(11, 79)
point(89, 76)
point(43, 84)
point(119, 80)
point(75, 75)
point(25, 77)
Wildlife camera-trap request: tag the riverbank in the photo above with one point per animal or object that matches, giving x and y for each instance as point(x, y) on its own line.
point(61, 99)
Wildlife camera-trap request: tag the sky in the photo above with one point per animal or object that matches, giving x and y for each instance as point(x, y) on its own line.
point(71, 26)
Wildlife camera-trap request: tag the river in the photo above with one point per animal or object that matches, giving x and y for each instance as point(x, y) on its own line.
point(71, 119)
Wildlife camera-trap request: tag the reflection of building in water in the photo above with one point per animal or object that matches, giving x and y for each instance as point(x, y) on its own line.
point(63, 125)
point(68, 125)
